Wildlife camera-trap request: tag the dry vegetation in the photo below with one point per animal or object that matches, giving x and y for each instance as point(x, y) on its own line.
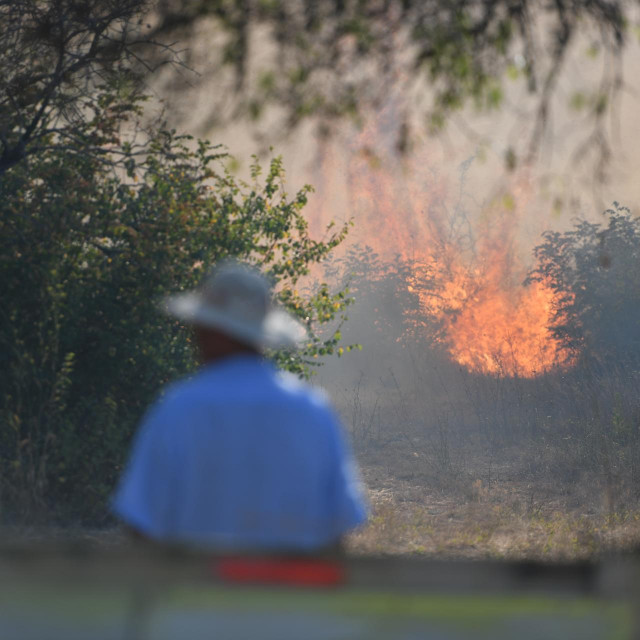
point(545, 469)
point(486, 515)
point(539, 469)
point(484, 512)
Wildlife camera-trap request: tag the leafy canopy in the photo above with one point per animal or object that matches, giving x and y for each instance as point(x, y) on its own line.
point(330, 60)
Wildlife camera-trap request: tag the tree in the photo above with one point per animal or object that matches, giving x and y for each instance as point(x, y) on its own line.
point(593, 270)
point(98, 220)
point(85, 256)
point(62, 60)
point(326, 59)
point(387, 297)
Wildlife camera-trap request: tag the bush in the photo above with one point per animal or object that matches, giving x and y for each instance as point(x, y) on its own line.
point(86, 253)
point(593, 269)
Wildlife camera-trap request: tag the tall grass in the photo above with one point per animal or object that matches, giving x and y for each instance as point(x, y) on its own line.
point(574, 429)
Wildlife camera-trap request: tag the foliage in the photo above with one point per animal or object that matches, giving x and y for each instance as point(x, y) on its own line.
point(386, 295)
point(85, 254)
point(593, 268)
point(328, 60)
point(68, 66)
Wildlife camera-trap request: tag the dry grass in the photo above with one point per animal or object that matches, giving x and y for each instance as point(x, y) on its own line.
point(480, 517)
point(461, 505)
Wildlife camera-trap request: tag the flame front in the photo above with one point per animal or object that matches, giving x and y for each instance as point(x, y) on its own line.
point(492, 328)
point(489, 321)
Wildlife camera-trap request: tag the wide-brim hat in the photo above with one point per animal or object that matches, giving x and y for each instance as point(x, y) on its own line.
point(236, 300)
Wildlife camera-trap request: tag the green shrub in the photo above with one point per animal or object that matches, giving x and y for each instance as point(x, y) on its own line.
point(86, 252)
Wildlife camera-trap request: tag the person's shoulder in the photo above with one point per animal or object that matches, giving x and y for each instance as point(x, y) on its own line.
point(299, 391)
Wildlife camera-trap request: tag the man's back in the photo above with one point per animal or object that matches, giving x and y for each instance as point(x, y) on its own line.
point(241, 456)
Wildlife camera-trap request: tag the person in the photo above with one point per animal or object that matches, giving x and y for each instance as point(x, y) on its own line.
point(240, 456)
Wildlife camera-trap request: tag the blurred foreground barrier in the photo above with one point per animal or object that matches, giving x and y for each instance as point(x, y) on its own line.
point(74, 592)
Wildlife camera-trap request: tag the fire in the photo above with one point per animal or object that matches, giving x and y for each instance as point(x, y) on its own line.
point(488, 321)
point(491, 322)
point(491, 327)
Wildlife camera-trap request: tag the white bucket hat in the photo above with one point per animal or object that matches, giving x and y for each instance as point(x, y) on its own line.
point(236, 300)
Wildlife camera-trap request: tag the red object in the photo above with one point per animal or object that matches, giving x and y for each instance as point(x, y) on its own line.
point(288, 571)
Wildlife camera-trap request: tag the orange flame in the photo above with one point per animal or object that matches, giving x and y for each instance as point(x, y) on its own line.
point(491, 327)
point(489, 321)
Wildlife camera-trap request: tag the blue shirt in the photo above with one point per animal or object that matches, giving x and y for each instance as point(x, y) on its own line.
point(241, 456)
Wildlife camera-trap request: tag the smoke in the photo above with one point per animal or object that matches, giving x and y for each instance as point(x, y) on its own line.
point(459, 371)
point(461, 212)
point(462, 253)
